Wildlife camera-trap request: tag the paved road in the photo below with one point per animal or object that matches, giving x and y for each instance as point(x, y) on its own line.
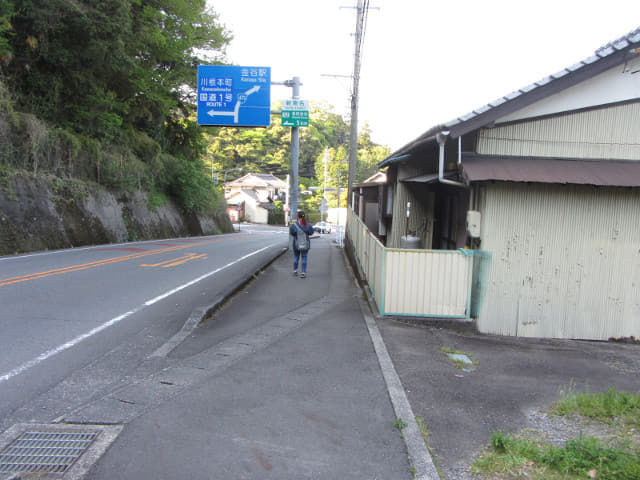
point(61, 309)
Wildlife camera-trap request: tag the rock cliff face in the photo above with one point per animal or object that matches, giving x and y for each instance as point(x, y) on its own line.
point(43, 213)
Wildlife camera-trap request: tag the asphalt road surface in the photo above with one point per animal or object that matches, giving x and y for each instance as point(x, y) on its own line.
point(60, 310)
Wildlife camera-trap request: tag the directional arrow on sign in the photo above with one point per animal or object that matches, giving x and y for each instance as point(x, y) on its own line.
point(236, 109)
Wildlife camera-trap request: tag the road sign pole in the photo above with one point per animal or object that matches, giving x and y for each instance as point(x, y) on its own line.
point(295, 153)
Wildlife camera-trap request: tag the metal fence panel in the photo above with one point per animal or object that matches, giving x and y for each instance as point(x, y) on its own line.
point(433, 283)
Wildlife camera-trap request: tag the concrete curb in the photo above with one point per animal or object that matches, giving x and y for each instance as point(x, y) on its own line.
point(419, 456)
point(200, 313)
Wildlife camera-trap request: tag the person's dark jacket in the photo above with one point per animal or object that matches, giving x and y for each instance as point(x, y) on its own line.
point(293, 232)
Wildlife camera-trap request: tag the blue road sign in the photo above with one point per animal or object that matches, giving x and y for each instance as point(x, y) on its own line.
point(234, 96)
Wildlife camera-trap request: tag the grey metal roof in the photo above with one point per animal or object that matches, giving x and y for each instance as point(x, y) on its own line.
point(605, 57)
point(613, 173)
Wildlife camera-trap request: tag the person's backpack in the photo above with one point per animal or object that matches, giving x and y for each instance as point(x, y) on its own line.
point(302, 241)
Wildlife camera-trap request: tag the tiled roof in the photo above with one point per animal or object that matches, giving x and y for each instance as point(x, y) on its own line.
point(258, 180)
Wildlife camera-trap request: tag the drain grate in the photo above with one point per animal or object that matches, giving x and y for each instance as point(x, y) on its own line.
point(44, 452)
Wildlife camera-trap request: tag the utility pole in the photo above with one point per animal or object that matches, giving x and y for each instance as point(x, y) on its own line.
point(323, 206)
point(353, 136)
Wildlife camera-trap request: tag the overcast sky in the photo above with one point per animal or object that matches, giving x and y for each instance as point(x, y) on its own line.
point(424, 62)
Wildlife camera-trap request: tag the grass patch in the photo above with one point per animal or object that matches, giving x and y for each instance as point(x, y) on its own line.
point(612, 407)
point(513, 457)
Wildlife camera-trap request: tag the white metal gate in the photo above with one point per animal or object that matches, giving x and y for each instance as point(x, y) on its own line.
point(424, 283)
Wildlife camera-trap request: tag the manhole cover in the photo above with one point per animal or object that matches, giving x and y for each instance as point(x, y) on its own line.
point(53, 451)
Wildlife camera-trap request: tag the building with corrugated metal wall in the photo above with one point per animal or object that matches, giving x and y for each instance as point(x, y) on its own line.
point(551, 176)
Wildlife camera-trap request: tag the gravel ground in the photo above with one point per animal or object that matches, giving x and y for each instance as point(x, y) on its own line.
point(511, 389)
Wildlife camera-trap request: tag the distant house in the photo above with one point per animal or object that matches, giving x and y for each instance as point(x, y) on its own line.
point(252, 196)
point(544, 181)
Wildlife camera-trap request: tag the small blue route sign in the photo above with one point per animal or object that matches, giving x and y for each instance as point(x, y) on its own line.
point(234, 96)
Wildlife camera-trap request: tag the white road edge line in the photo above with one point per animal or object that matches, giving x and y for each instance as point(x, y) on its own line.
point(72, 343)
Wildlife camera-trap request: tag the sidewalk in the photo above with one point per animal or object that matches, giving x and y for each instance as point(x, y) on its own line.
point(283, 383)
point(294, 379)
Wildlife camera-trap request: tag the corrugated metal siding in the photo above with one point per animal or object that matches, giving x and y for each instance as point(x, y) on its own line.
point(432, 283)
point(565, 261)
point(611, 132)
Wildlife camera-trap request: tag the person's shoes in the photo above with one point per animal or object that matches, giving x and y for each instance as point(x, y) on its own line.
point(302, 275)
point(295, 273)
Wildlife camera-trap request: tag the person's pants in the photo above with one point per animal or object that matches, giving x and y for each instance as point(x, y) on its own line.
point(296, 257)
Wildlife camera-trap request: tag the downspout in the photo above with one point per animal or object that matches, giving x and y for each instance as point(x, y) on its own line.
point(441, 137)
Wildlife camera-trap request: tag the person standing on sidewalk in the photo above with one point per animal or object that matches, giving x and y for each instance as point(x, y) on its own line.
point(299, 232)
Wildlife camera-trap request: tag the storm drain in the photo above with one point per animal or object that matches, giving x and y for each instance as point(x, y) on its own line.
point(53, 451)
point(44, 452)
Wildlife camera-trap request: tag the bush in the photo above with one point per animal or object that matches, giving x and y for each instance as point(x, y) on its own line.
point(189, 185)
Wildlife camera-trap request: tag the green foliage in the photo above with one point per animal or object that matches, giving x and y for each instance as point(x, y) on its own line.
point(268, 150)
point(98, 67)
point(370, 155)
point(189, 185)
point(578, 458)
point(602, 406)
point(104, 91)
point(584, 457)
point(6, 30)
point(400, 424)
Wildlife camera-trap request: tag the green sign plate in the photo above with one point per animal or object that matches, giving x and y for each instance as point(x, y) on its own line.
point(295, 113)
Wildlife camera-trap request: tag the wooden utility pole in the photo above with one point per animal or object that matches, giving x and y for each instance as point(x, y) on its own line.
point(353, 136)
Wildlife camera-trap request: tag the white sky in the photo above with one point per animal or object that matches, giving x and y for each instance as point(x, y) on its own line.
point(424, 62)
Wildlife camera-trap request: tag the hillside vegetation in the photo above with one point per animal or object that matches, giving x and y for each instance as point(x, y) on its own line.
point(103, 93)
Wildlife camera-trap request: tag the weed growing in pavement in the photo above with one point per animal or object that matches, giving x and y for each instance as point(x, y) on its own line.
point(424, 431)
point(514, 457)
point(400, 424)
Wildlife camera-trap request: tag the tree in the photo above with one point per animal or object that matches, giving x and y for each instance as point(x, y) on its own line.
point(6, 12)
point(103, 67)
point(370, 154)
point(337, 167)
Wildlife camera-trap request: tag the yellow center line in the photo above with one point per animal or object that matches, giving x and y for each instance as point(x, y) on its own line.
point(160, 264)
point(99, 263)
point(185, 260)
